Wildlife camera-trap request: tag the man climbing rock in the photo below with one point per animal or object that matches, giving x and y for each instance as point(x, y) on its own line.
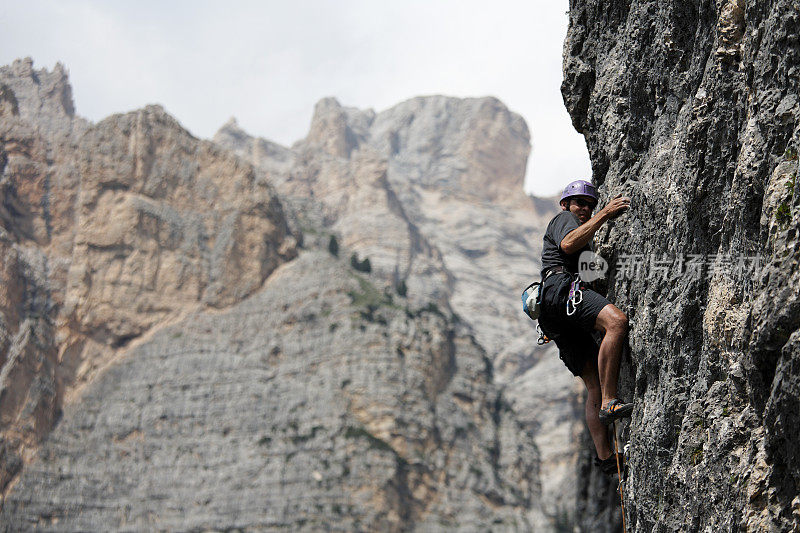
point(571, 312)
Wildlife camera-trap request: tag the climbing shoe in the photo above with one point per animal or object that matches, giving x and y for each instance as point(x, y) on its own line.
point(614, 411)
point(609, 466)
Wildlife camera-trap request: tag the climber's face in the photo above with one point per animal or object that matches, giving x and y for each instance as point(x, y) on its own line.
point(581, 207)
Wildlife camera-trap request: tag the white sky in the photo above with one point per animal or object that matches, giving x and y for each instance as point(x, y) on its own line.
point(267, 62)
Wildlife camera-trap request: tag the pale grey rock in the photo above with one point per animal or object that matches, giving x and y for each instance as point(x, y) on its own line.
point(547, 400)
point(289, 410)
point(108, 231)
point(472, 148)
point(42, 98)
point(431, 191)
point(443, 194)
point(273, 158)
point(324, 399)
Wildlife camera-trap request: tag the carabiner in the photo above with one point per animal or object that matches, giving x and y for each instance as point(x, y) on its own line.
point(543, 339)
point(575, 295)
point(578, 297)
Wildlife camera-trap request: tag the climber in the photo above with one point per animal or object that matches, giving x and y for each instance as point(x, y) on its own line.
point(571, 312)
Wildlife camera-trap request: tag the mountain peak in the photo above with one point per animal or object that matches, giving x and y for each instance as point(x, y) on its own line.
point(338, 130)
point(44, 97)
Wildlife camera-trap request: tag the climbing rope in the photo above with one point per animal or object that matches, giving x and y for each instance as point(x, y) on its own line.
point(619, 473)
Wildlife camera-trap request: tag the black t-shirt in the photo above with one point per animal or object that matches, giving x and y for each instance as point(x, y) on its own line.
point(552, 254)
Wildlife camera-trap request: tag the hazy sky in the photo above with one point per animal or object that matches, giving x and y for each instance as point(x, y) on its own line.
point(267, 63)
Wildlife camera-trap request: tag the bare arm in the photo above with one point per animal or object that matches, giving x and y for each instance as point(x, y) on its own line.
point(580, 236)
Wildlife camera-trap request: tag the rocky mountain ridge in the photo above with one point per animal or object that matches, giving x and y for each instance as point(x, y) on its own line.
point(411, 189)
point(210, 363)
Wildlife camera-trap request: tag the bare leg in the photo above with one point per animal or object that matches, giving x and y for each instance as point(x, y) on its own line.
point(614, 324)
point(597, 429)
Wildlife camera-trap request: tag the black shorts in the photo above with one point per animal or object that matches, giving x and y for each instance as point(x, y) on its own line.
point(574, 334)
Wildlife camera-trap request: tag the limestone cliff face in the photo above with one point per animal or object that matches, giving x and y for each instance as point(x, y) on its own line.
point(42, 98)
point(692, 110)
point(108, 231)
point(212, 364)
point(431, 192)
point(317, 403)
point(164, 222)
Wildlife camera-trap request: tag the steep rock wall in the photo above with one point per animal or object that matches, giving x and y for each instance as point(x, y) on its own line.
point(353, 414)
point(691, 109)
point(107, 231)
point(202, 378)
point(431, 191)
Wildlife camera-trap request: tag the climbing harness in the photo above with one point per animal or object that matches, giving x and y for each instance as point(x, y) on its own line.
point(575, 295)
point(619, 473)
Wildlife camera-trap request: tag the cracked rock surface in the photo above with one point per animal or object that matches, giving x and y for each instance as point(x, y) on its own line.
point(429, 191)
point(108, 231)
point(245, 419)
point(192, 340)
point(691, 109)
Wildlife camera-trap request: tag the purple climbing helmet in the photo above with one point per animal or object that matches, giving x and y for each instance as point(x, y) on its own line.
point(579, 188)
